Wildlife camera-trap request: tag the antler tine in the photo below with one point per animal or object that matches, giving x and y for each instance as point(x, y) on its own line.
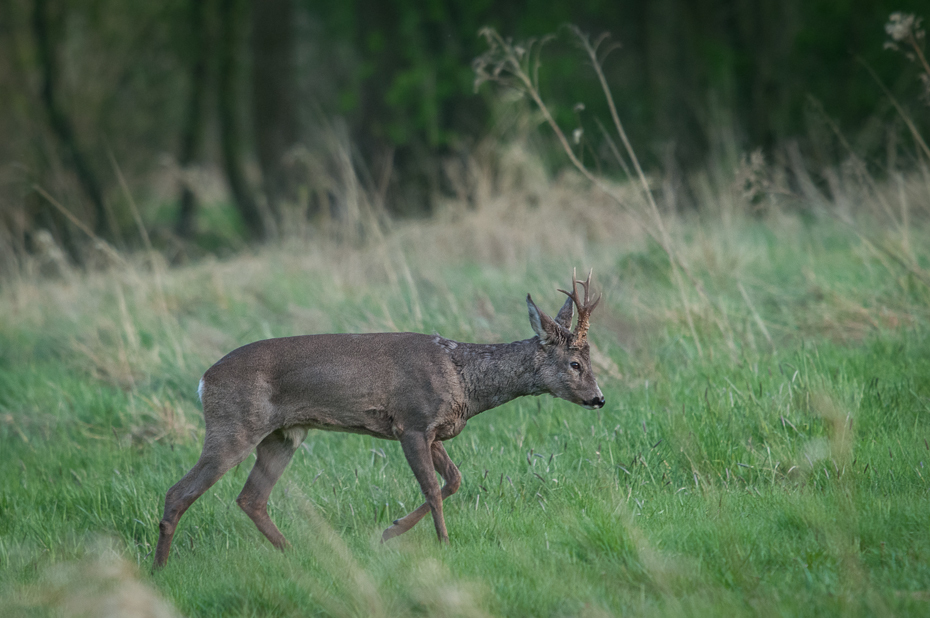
point(584, 284)
point(588, 305)
point(584, 307)
point(574, 294)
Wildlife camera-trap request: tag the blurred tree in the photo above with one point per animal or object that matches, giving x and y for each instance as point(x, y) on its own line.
point(241, 83)
point(274, 119)
point(46, 37)
point(413, 102)
point(232, 35)
point(192, 131)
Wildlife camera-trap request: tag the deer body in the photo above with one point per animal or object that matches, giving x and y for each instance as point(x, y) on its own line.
point(417, 389)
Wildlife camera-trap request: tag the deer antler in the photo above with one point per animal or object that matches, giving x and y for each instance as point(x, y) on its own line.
point(584, 308)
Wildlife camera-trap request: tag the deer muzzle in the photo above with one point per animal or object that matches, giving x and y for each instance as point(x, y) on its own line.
point(595, 402)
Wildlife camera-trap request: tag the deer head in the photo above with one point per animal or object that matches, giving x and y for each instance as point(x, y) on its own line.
point(564, 355)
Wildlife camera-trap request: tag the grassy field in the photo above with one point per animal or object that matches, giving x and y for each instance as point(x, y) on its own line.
point(763, 450)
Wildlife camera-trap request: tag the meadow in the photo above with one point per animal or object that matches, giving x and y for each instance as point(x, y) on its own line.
point(763, 450)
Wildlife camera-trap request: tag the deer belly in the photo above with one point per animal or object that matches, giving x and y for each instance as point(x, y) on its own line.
point(373, 422)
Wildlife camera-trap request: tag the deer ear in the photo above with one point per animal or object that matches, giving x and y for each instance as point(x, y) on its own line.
point(543, 325)
point(564, 317)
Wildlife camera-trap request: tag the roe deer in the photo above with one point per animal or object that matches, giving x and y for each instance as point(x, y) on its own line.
point(417, 389)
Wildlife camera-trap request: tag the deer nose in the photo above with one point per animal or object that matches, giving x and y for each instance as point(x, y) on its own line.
point(597, 402)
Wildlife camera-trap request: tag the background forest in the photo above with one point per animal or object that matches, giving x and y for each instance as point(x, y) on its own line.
point(263, 105)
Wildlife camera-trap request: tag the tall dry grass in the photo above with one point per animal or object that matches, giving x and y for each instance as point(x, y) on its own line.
point(135, 319)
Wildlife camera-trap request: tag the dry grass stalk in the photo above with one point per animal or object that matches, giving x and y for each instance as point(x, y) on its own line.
point(517, 67)
point(102, 584)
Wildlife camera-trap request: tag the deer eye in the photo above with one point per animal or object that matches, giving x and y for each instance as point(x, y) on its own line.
point(574, 365)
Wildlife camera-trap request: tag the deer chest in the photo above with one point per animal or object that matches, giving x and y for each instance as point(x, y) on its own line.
point(449, 428)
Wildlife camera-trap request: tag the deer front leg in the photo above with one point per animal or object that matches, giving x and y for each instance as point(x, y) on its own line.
point(420, 455)
point(452, 478)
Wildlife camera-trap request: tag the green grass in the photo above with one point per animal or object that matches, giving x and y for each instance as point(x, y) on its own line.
point(777, 466)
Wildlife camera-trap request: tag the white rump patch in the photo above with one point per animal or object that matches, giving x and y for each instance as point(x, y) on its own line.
point(200, 391)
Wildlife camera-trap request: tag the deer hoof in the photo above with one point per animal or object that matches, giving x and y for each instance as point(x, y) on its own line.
point(390, 533)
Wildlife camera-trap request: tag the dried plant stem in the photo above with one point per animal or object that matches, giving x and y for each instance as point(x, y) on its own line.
point(80, 225)
point(860, 166)
point(880, 249)
point(613, 148)
point(904, 116)
point(158, 269)
point(876, 246)
point(755, 314)
point(666, 242)
point(143, 233)
point(912, 41)
point(528, 84)
point(517, 67)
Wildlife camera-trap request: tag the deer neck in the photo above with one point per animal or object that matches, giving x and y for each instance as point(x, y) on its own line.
point(493, 374)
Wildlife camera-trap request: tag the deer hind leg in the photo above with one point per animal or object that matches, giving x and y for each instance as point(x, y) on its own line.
point(215, 460)
point(453, 479)
point(273, 455)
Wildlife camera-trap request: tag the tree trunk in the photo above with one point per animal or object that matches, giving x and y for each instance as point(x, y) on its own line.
point(231, 35)
point(60, 123)
point(273, 113)
point(193, 130)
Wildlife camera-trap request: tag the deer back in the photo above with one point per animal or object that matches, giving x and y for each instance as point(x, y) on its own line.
point(378, 384)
